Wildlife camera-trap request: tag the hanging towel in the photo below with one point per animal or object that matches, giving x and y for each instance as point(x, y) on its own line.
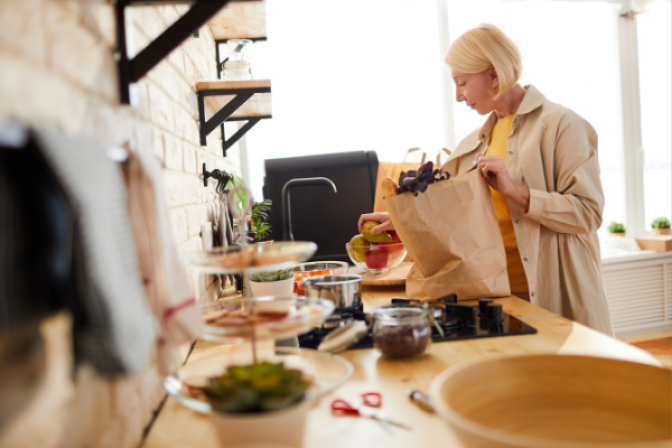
point(114, 328)
point(164, 276)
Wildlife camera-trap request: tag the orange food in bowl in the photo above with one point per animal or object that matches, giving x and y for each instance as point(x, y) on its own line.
point(302, 275)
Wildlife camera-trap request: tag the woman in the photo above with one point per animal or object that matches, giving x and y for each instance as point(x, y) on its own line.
point(540, 161)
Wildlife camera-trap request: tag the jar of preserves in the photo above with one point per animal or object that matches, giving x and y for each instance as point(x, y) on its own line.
point(402, 332)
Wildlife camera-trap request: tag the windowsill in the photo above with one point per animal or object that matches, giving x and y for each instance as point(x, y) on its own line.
point(624, 256)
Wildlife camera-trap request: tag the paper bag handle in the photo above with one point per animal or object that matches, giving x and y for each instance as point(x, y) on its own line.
point(438, 156)
point(424, 155)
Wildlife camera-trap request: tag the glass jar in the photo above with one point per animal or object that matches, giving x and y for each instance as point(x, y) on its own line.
point(236, 49)
point(402, 332)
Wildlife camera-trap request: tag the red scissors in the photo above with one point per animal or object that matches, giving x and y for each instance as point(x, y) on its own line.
point(372, 402)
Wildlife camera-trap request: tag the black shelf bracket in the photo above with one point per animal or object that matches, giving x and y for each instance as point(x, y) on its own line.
point(131, 70)
point(241, 95)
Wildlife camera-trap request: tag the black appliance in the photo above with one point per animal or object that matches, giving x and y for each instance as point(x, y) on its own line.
point(458, 321)
point(317, 214)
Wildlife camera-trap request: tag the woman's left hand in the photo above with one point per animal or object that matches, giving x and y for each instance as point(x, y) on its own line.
point(496, 175)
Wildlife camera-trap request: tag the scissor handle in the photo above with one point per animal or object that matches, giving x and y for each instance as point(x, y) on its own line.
point(344, 407)
point(373, 399)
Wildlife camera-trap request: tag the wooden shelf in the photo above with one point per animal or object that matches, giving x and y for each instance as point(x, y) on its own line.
point(240, 20)
point(239, 84)
point(257, 106)
point(244, 100)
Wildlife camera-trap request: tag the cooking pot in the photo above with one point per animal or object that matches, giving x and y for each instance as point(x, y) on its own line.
point(344, 290)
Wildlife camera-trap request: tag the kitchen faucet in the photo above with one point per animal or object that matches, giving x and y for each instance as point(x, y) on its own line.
point(286, 212)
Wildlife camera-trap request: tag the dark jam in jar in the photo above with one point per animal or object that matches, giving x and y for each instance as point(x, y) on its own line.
point(402, 332)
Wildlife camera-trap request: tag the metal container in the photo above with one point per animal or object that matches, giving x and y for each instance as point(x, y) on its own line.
point(344, 290)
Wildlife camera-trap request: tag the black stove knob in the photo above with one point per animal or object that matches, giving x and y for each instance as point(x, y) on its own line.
point(494, 312)
point(398, 301)
point(450, 298)
point(483, 306)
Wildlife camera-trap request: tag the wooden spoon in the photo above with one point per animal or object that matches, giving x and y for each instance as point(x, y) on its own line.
point(389, 187)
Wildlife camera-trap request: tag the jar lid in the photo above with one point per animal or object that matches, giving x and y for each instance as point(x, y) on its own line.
point(235, 64)
point(400, 314)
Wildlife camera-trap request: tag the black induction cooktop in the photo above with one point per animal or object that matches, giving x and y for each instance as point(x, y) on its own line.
point(458, 322)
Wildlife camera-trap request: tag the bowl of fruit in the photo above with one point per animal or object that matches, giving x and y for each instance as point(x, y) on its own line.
point(376, 253)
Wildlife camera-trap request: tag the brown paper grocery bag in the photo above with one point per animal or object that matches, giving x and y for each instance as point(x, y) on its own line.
point(393, 170)
point(452, 233)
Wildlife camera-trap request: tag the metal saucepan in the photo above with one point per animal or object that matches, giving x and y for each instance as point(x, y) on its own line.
point(344, 290)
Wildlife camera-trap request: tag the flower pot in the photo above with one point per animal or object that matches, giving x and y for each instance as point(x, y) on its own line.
point(280, 288)
point(284, 427)
point(622, 235)
point(660, 231)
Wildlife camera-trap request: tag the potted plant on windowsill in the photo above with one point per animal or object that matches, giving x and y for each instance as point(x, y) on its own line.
point(258, 402)
point(660, 226)
point(272, 283)
point(616, 229)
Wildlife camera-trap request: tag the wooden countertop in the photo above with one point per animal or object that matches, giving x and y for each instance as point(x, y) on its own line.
point(177, 426)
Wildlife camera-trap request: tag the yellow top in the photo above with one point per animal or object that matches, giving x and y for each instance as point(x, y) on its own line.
point(514, 265)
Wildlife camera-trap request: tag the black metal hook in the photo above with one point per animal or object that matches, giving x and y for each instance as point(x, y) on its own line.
point(220, 175)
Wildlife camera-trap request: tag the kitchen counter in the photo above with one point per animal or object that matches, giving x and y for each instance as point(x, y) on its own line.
point(177, 426)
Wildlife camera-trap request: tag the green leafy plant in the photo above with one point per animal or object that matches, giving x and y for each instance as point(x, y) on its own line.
point(271, 276)
point(258, 215)
point(257, 388)
point(259, 218)
point(660, 223)
point(616, 227)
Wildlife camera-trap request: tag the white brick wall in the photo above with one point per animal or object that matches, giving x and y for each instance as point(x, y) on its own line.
point(57, 71)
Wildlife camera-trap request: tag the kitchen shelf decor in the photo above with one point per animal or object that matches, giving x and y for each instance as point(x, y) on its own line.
point(131, 70)
point(218, 56)
point(250, 103)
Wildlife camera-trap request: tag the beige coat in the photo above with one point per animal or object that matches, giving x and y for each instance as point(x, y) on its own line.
point(553, 152)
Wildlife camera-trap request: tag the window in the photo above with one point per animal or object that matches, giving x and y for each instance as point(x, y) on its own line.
point(654, 39)
point(368, 76)
point(348, 76)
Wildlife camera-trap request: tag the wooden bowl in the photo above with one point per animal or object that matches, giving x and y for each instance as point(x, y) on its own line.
point(556, 401)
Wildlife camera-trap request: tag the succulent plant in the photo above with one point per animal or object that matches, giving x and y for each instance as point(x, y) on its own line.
point(257, 388)
point(616, 227)
point(660, 223)
point(271, 276)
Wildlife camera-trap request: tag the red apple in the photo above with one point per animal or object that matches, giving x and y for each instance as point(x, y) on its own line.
point(392, 248)
point(394, 236)
point(377, 258)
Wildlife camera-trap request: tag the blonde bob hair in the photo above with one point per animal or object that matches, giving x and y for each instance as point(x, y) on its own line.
point(483, 47)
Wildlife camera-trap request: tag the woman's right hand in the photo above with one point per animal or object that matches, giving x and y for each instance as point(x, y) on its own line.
point(383, 218)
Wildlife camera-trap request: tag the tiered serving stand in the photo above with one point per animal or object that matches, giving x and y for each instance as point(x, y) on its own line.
point(246, 344)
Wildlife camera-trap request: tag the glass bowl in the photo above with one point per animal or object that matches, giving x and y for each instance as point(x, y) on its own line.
point(303, 315)
point(377, 258)
point(253, 258)
point(313, 268)
point(328, 371)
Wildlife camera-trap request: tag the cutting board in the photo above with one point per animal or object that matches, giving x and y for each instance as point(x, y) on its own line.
point(394, 277)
